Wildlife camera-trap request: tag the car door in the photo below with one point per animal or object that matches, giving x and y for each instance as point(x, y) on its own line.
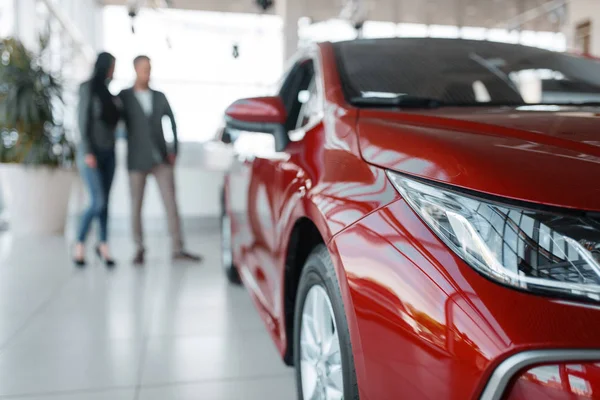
point(257, 195)
point(268, 199)
point(308, 124)
point(239, 180)
point(254, 193)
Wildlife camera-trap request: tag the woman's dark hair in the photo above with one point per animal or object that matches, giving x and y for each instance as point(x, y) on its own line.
point(110, 112)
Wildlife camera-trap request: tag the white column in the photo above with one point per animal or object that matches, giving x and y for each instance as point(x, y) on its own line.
point(290, 11)
point(25, 23)
point(98, 33)
point(7, 18)
point(578, 12)
point(87, 17)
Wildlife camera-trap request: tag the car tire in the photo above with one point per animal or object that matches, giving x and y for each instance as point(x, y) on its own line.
point(320, 366)
point(231, 271)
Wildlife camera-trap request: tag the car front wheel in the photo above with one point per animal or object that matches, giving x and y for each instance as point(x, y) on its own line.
point(322, 350)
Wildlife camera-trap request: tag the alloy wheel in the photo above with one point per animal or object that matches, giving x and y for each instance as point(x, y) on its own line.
point(320, 356)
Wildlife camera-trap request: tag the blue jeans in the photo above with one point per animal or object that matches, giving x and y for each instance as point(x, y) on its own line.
point(98, 181)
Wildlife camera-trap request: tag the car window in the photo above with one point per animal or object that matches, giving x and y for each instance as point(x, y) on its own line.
point(310, 104)
point(464, 72)
point(288, 87)
point(297, 82)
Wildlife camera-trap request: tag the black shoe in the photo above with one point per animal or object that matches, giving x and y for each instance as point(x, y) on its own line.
point(185, 256)
point(138, 259)
point(108, 261)
point(79, 263)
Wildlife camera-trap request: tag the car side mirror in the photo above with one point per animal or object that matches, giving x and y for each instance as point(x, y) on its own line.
point(260, 114)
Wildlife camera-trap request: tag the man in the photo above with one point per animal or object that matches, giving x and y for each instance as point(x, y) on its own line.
point(148, 154)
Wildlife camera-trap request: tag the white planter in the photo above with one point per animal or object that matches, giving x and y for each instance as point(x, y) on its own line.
point(36, 198)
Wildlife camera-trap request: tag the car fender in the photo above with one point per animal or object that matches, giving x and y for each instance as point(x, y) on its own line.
point(304, 208)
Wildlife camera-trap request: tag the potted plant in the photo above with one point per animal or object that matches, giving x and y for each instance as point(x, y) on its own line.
point(36, 159)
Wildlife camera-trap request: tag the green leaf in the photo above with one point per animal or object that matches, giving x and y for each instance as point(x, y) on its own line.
point(29, 97)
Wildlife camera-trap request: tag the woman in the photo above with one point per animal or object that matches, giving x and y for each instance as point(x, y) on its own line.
point(98, 118)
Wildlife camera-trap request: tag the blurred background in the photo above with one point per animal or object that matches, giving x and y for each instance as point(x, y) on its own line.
point(208, 53)
point(167, 332)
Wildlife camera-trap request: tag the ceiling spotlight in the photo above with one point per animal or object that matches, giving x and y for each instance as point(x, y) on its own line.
point(133, 8)
point(265, 5)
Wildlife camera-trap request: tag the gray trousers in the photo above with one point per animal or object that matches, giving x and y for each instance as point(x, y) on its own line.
point(165, 178)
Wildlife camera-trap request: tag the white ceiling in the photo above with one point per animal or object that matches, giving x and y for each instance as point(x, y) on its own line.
point(480, 13)
point(237, 6)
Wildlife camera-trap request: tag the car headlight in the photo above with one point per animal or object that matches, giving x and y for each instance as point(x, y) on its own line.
point(538, 251)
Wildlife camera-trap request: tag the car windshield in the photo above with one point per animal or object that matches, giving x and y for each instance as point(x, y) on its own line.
point(452, 72)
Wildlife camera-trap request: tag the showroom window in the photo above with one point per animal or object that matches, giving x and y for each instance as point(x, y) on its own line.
point(337, 30)
point(240, 55)
point(203, 61)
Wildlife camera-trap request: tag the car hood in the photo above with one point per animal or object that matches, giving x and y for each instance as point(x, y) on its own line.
point(546, 155)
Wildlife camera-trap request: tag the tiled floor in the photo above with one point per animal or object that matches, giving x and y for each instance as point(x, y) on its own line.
point(165, 331)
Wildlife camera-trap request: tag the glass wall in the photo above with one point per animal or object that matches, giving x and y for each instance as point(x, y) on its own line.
point(204, 60)
point(335, 30)
point(201, 60)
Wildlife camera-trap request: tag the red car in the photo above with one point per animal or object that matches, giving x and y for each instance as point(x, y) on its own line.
point(420, 219)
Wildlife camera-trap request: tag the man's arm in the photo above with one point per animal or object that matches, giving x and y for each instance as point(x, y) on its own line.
point(169, 113)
